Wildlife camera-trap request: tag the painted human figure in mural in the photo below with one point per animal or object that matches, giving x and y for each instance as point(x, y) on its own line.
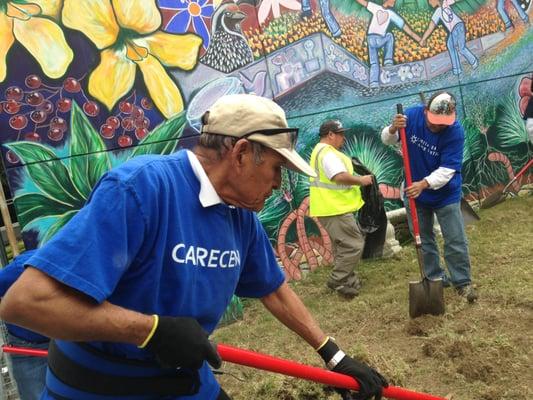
point(504, 15)
point(378, 37)
point(456, 34)
point(228, 49)
point(329, 18)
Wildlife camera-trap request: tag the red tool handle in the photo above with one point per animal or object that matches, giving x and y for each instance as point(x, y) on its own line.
point(292, 368)
point(279, 365)
point(409, 181)
point(518, 175)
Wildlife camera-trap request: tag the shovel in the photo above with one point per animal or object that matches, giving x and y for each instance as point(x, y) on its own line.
point(426, 296)
point(499, 196)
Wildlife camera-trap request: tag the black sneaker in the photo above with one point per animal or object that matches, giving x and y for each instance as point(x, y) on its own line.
point(343, 290)
point(468, 292)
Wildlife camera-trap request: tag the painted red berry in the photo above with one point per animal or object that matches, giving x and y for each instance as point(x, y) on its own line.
point(125, 107)
point(72, 85)
point(12, 157)
point(127, 124)
point(140, 133)
point(33, 81)
point(59, 123)
point(146, 103)
point(91, 108)
point(137, 112)
point(107, 131)
point(34, 98)
point(38, 116)
point(18, 122)
point(142, 123)
point(47, 107)
point(14, 93)
point(64, 104)
point(32, 137)
point(11, 107)
point(124, 141)
point(55, 134)
point(113, 121)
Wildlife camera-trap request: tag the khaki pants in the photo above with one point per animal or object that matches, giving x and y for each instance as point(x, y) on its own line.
point(348, 242)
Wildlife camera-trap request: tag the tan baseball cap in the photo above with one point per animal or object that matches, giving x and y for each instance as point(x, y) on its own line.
point(258, 119)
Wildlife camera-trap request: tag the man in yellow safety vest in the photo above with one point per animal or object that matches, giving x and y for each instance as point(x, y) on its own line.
point(334, 198)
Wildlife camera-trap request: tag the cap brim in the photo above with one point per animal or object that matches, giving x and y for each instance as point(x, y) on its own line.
point(441, 119)
point(296, 163)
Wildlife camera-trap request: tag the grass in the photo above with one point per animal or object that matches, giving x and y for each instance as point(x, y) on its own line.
point(481, 351)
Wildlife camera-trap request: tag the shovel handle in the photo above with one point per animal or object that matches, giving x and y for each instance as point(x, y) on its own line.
point(273, 364)
point(409, 181)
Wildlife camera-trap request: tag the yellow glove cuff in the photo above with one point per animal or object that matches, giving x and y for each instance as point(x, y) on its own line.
point(323, 343)
point(152, 331)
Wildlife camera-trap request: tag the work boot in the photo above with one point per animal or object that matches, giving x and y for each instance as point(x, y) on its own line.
point(468, 292)
point(343, 290)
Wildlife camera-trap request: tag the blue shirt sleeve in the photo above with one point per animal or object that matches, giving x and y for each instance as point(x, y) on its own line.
point(96, 247)
point(261, 274)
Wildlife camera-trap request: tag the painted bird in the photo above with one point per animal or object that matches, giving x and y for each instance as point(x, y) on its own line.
point(228, 48)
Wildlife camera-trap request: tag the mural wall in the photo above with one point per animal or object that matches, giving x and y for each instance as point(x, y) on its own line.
point(87, 84)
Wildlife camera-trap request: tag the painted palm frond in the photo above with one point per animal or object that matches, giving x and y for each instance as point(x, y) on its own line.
point(475, 142)
point(509, 130)
point(383, 161)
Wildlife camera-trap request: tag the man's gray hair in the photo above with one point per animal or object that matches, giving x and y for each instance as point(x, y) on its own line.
point(222, 144)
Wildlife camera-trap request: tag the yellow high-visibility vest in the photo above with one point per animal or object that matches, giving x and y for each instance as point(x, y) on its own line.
point(327, 198)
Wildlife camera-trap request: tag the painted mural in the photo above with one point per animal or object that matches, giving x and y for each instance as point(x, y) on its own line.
point(88, 84)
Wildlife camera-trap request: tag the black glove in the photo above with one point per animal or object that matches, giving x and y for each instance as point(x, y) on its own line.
point(182, 342)
point(370, 381)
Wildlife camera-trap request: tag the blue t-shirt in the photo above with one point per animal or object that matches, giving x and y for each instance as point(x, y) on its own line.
point(145, 242)
point(8, 275)
point(429, 151)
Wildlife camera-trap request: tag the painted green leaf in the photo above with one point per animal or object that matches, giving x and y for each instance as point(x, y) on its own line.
point(63, 219)
point(163, 138)
point(89, 156)
point(509, 127)
point(47, 172)
point(33, 206)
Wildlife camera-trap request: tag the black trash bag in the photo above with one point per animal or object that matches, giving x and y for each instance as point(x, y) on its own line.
point(372, 217)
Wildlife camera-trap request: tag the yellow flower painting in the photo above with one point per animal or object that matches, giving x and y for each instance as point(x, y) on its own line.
point(33, 24)
point(128, 35)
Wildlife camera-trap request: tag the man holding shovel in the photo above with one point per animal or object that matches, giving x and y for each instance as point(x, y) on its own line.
point(435, 141)
point(133, 284)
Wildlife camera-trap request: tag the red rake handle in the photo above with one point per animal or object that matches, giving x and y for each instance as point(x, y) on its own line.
point(319, 375)
point(409, 180)
point(286, 367)
point(518, 175)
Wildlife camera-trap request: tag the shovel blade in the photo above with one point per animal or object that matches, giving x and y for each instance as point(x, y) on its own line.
point(492, 199)
point(426, 297)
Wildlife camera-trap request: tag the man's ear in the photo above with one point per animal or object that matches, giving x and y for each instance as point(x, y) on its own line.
point(239, 151)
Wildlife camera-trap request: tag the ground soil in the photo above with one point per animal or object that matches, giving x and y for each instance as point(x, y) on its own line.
point(481, 351)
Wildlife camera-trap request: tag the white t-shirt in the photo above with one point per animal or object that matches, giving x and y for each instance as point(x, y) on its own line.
point(381, 18)
point(445, 13)
point(332, 165)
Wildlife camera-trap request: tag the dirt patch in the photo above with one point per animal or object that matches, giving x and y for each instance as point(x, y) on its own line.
point(473, 352)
